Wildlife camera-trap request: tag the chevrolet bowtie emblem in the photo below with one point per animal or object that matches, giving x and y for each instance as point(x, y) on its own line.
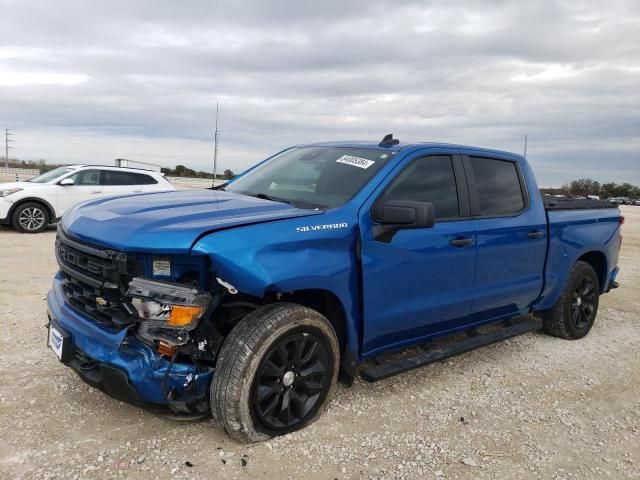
point(101, 301)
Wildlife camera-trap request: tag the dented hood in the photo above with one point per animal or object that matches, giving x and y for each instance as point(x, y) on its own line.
point(169, 222)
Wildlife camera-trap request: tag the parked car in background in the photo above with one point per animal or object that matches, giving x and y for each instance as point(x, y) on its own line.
point(32, 205)
point(622, 200)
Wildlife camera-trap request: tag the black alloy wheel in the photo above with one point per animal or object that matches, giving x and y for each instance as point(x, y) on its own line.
point(290, 381)
point(276, 372)
point(575, 311)
point(583, 303)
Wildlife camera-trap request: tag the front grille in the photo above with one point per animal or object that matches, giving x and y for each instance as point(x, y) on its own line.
point(94, 280)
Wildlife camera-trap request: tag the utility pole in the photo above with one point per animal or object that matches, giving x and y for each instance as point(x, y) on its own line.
point(215, 148)
point(7, 134)
point(525, 146)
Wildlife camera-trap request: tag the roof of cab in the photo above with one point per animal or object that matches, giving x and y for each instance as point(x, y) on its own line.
point(112, 167)
point(402, 146)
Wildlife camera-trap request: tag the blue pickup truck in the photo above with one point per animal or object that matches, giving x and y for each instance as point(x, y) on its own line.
point(250, 300)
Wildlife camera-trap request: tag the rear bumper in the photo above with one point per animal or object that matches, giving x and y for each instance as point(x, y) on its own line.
point(612, 283)
point(124, 367)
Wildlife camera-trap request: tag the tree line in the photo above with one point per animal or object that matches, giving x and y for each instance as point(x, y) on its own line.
point(575, 188)
point(587, 186)
point(182, 171)
point(32, 164)
point(179, 171)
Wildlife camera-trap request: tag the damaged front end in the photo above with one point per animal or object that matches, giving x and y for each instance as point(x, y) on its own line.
point(176, 320)
point(147, 341)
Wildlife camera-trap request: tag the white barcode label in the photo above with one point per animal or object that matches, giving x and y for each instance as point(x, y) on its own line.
point(161, 267)
point(355, 161)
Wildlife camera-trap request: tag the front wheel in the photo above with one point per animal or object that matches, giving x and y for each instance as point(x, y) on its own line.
point(30, 217)
point(575, 311)
point(276, 372)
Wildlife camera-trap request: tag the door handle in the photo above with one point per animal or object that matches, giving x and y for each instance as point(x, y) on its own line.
point(137, 191)
point(461, 242)
point(97, 191)
point(533, 234)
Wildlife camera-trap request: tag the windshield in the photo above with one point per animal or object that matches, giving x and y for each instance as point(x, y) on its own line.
point(312, 177)
point(51, 175)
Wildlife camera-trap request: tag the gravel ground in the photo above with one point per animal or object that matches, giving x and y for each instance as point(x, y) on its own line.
point(530, 407)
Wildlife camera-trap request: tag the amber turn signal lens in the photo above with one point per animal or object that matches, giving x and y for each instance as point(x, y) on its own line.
point(181, 315)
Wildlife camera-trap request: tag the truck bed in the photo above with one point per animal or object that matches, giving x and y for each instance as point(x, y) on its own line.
point(577, 227)
point(554, 203)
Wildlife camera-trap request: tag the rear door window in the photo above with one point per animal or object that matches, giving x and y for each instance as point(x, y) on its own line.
point(498, 187)
point(113, 177)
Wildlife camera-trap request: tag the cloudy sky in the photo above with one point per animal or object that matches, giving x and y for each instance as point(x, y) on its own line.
point(90, 81)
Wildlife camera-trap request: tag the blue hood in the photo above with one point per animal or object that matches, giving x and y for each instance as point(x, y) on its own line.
point(169, 222)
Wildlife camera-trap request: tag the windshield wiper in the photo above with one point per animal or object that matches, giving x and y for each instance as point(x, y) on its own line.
point(264, 196)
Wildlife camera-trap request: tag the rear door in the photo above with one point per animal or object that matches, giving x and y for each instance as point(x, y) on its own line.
point(418, 281)
point(511, 237)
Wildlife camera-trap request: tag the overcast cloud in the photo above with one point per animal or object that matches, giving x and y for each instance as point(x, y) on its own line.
point(89, 81)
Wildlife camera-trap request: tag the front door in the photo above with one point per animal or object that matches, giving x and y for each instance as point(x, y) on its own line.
point(420, 281)
point(86, 186)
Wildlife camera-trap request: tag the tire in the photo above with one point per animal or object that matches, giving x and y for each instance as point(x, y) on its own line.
point(253, 397)
point(575, 311)
point(30, 217)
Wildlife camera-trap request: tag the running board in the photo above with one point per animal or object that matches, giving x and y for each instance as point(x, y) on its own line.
point(430, 355)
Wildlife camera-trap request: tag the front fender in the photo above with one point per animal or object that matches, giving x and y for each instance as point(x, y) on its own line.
point(286, 256)
point(47, 205)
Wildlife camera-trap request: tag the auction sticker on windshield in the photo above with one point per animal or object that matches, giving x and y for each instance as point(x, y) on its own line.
point(355, 161)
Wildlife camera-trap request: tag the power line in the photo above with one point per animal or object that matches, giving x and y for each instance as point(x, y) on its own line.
point(7, 134)
point(215, 148)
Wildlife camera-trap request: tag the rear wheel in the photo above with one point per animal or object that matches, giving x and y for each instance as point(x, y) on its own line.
point(575, 311)
point(30, 217)
point(276, 372)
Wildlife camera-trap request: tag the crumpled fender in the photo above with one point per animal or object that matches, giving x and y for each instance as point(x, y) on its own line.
point(317, 252)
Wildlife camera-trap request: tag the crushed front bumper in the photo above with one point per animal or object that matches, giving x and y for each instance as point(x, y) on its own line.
point(123, 366)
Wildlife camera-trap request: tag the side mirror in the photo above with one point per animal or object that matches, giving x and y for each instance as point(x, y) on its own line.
point(404, 214)
point(67, 182)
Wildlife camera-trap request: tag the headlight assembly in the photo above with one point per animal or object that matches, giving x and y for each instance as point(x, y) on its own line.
point(162, 305)
point(9, 191)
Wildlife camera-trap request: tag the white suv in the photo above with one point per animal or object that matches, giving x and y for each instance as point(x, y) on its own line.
point(32, 205)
